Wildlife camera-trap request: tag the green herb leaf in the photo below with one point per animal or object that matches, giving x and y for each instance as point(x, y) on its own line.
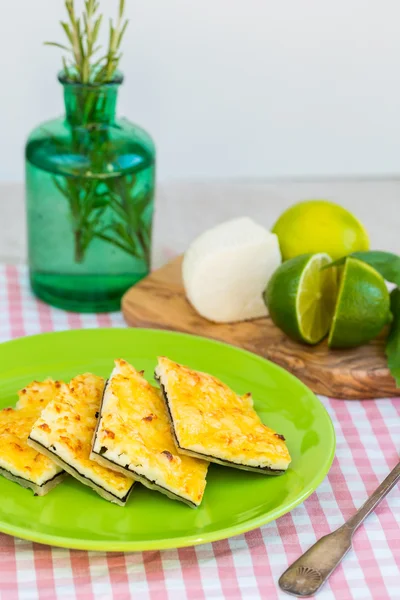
point(65, 67)
point(58, 46)
point(386, 263)
point(121, 34)
point(101, 202)
point(96, 28)
point(67, 30)
point(117, 243)
point(393, 341)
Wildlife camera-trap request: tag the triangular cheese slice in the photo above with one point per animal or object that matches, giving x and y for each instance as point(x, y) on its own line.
point(64, 433)
point(211, 422)
point(19, 462)
point(134, 437)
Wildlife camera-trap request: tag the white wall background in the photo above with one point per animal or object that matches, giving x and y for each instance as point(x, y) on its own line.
point(228, 88)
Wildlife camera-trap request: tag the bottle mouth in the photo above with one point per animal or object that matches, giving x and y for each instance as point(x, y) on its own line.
point(116, 80)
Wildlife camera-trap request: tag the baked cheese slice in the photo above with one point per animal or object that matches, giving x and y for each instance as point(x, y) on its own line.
point(64, 433)
point(38, 394)
point(19, 462)
point(210, 421)
point(134, 437)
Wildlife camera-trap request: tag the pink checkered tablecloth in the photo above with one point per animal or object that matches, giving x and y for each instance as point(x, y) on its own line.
point(247, 566)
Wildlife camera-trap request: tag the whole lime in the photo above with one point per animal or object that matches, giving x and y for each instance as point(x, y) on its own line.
point(319, 226)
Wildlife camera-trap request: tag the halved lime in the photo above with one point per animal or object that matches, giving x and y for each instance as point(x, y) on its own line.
point(362, 306)
point(301, 297)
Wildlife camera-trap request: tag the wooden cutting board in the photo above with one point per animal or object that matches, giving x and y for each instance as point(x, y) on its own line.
point(159, 301)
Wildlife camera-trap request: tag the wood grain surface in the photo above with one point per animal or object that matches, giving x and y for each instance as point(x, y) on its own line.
point(159, 301)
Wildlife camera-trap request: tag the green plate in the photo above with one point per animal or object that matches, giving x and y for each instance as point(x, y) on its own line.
point(235, 501)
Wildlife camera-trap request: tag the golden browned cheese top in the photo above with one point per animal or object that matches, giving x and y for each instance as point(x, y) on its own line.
point(135, 422)
point(69, 422)
point(38, 394)
point(15, 427)
point(209, 416)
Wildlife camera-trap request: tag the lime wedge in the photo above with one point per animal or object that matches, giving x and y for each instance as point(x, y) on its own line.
point(362, 306)
point(301, 297)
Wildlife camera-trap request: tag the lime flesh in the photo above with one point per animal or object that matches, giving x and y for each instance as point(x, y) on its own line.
point(301, 297)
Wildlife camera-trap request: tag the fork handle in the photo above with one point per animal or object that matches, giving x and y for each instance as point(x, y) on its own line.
point(369, 505)
point(309, 572)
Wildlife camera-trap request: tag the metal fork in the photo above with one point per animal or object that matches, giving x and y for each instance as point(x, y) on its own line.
point(309, 572)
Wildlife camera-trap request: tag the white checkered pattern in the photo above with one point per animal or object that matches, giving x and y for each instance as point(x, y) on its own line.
point(247, 566)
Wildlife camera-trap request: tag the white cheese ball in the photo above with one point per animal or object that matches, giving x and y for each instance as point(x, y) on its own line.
point(227, 268)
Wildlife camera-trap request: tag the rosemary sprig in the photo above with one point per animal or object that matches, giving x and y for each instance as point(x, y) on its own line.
point(114, 209)
point(126, 225)
point(82, 33)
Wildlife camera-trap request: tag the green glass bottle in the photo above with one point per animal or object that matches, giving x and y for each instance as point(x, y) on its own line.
point(89, 197)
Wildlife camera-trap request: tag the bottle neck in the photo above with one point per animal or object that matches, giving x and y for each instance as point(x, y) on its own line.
point(87, 105)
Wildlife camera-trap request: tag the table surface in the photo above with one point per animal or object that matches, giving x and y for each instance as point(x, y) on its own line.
point(246, 566)
point(185, 209)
